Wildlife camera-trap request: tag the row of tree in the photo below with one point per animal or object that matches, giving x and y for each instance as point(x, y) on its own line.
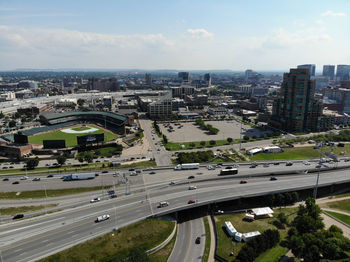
point(258, 245)
point(283, 199)
point(194, 157)
point(308, 239)
point(212, 130)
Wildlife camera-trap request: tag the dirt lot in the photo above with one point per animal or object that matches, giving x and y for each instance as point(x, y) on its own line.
point(190, 132)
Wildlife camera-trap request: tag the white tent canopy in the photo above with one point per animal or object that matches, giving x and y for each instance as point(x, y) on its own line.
point(262, 211)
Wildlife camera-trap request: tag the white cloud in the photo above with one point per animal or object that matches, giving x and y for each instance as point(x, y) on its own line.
point(199, 33)
point(332, 13)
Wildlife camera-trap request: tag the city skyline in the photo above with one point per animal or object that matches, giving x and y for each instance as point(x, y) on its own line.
point(153, 35)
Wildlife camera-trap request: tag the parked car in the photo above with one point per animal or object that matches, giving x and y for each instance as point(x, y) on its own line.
point(152, 173)
point(276, 163)
point(191, 201)
point(5, 179)
point(15, 183)
point(104, 171)
point(18, 216)
point(190, 177)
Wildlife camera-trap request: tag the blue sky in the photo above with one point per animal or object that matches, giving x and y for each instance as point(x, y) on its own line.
point(196, 34)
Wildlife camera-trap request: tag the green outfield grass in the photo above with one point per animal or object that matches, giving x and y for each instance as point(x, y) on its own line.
point(71, 139)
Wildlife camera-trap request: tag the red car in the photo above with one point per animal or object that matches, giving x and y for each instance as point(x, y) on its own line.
point(243, 182)
point(191, 201)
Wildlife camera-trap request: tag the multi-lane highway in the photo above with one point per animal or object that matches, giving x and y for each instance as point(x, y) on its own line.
point(30, 239)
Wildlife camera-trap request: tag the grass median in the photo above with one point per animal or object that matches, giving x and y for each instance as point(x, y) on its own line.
point(76, 168)
point(143, 235)
point(49, 192)
point(343, 205)
point(341, 217)
point(10, 211)
point(207, 240)
point(163, 254)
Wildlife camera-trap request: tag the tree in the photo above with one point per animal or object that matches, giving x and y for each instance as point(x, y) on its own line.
point(1, 115)
point(81, 102)
point(229, 140)
point(245, 137)
point(88, 158)
point(32, 163)
point(12, 123)
point(202, 143)
point(165, 139)
point(212, 142)
point(61, 160)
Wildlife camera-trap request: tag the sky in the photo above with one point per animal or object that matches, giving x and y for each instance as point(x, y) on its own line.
point(261, 35)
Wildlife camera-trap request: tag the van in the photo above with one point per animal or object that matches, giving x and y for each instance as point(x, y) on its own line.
point(163, 204)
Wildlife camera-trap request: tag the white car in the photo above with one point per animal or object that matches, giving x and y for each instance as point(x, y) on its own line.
point(192, 188)
point(306, 163)
point(210, 167)
point(24, 178)
point(96, 199)
point(102, 218)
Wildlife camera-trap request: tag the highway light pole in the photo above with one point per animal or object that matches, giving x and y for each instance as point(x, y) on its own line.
point(240, 136)
point(147, 195)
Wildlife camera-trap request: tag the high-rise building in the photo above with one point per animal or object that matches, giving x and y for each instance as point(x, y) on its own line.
point(162, 108)
point(343, 72)
point(148, 79)
point(184, 76)
point(248, 73)
point(328, 70)
point(295, 109)
point(207, 79)
point(311, 67)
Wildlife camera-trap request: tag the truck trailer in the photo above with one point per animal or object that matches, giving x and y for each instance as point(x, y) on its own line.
point(80, 176)
point(186, 166)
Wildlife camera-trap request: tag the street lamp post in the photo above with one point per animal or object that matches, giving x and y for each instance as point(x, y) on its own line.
point(240, 137)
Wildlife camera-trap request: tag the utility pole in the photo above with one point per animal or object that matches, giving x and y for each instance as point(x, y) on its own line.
point(240, 137)
point(45, 199)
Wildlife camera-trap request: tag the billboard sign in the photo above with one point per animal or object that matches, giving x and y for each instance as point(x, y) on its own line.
point(90, 139)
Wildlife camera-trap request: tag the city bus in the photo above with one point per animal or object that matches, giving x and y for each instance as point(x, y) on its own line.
point(231, 171)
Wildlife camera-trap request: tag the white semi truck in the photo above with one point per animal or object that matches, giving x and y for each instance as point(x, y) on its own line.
point(80, 176)
point(186, 166)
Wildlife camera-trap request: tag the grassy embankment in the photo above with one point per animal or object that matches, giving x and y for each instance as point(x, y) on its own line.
point(145, 235)
point(226, 245)
point(300, 153)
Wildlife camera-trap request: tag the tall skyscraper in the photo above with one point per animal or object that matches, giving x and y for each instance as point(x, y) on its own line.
point(148, 78)
point(311, 67)
point(207, 78)
point(247, 74)
point(343, 72)
point(184, 76)
point(328, 70)
point(295, 109)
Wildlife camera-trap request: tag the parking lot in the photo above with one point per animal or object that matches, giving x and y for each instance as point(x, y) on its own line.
point(187, 132)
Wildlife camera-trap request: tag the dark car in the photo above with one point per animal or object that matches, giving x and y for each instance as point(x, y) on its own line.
point(243, 182)
point(289, 163)
point(18, 216)
point(132, 169)
point(273, 178)
point(5, 179)
point(190, 177)
point(198, 240)
point(113, 196)
point(15, 183)
point(50, 175)
point(276, 163)
point(104, 171)
point(36, 179)
point(152, 173)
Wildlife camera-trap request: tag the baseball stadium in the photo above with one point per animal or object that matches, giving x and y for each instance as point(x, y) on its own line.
point(69, 129)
